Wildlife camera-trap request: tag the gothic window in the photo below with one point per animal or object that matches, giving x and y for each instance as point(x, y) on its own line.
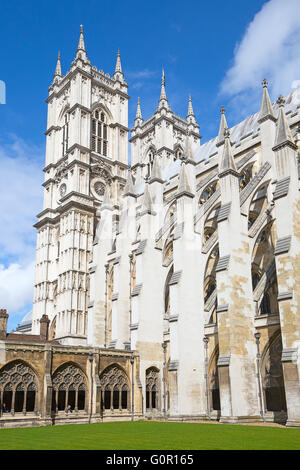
point(208, 192)
point(152, 388)
point(150, 162)
point(99, 133)
point(65, 129)
point(214, 381)
point(114, 389)
point(272, 376)
point(211, 224)
point(18, 388)
point(265, 306)
point(69, 388)
point(210, 273)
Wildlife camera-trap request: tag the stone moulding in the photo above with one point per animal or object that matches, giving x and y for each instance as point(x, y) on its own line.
point(281, 188)
point(283, 245)
point(224, 212)
point(222, 308)
point(223, 263)
point(285, 296)
point(289, 355)
point(136, 290)
point(175, 278)
point(173, 318)
point(224, 360)
point(141, 248)
point(173, 365)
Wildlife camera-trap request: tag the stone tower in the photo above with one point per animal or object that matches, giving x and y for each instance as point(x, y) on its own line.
point(86, 152)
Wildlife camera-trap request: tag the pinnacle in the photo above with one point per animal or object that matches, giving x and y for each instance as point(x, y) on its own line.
point(266, 108)
point(227, 164)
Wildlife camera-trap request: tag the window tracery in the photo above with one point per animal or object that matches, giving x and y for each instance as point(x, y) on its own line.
point(69, 388)
point(152, 388)
point(114, 389)
point(18, 387)
point(99, 133)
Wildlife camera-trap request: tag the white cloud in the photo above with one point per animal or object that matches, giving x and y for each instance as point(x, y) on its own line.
point(20, 200)
point(269, 48)
point(16, 286)
point(20, 196)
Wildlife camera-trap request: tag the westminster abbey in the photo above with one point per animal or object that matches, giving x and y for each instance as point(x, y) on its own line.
point(165, 288)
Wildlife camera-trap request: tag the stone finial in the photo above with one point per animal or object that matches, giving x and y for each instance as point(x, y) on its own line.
point(266, 108)
point(280, 101)
point(223, 126)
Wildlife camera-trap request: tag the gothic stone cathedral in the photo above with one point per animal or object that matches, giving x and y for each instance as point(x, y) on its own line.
point(164, 289)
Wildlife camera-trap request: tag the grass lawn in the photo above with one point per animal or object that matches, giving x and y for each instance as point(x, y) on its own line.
point(150, 436)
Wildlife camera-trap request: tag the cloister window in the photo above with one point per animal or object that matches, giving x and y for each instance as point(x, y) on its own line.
point(99, 132)
point(69, 388)
point(18, 388)
point(114, 389)
point(152, 387)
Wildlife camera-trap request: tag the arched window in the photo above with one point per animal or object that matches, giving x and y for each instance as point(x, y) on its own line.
point(69, 388)
point(65, 138)
point(272, 375)
point(18, 388)
point(152, 387)
point(99, 133)
point(114, 389)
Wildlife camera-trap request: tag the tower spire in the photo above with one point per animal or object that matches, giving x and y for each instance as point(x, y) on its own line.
point(138, 110)
point(163, 100)
point(81, 52)
point(227, 164)
point(58, 67)
point(81, 46)
point(223, 126)
point(266, 108)
point(190, 108)
point(118, 63)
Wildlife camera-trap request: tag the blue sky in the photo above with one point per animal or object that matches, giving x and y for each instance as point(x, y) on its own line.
point(218, 52)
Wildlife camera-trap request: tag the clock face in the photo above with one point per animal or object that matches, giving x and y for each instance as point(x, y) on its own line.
point(62, 189)
point(98, 188)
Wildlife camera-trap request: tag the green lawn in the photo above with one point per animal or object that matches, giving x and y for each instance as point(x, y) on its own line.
point(150, 436)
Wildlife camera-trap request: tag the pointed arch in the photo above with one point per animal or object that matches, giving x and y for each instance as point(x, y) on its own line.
point(70, 387)
point(272, 375)
point(19, 386)
point(115, 386)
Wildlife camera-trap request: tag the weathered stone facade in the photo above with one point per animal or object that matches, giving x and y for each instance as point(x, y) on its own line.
point(171, 285)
